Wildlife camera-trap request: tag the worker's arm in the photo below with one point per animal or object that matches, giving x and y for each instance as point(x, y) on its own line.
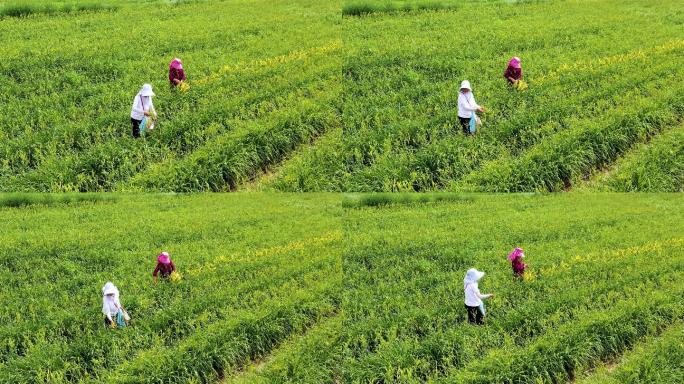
point(481, 296)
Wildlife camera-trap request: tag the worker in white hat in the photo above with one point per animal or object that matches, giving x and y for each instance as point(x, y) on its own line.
point(473, 297)
point(467, 106)
point(142, 107)
point(111, 306)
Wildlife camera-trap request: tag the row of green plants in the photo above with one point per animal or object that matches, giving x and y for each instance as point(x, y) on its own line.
point(361, 8)
point(19, 200)
point(652, 167)
point(383, 199)
point(28, 8)
point(657, 360)
point(312, 358)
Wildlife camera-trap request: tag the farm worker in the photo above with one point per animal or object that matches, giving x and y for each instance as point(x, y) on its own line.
point(516, 259)
point(473, 297)
point(466, 106)
point(115, 315)
point(513, 72)
point(164, 266)
point(142, 107)
point(176, 73)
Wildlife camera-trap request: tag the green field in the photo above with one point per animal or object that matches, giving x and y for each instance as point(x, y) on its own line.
point(360, 281)
point(603, 77)
point(264, 80)
point(295, 288)
point(259, 298)
point(604, 290)
point(358, 95)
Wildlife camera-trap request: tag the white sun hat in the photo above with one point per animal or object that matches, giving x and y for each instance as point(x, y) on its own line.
point(147, 90)
point(472, 276)
point(110, 289)
point(465, 84)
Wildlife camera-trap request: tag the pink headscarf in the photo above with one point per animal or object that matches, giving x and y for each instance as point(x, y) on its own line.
point(164, 258)
point(176, 64)
point(516, 252)
point(515, 63)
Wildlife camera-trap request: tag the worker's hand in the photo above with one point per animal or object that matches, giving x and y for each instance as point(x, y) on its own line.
point(147, 114)
point(481, 110)
point(113, 325)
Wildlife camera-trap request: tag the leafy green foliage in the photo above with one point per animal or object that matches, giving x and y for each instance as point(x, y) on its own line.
point(27, 8)
point(589, 75)
point(67, 96)
point(247, 287)
point(656, 166)
point(657, 360)
point(27, 199)
point(605, 274)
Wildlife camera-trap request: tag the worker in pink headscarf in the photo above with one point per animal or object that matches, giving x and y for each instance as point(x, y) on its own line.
point(516, 259)
point(164, 266)
point(176, 73)
point(513, 72)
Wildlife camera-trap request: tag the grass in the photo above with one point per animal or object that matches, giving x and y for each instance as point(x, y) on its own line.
point(385, 199)
point(264, 87)
point(576, 116)
point(28, 199)
point(248, 289)
point(28, 8)
point(655, 166)
point(361, 8)
point(598, 284)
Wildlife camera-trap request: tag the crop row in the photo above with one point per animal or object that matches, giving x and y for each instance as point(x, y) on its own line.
point(313, 358)
point(657, 360)
point(652, 167)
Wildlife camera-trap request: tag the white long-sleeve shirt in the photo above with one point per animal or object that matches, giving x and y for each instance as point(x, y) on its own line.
point(466, 105)
point(473, 297)
point(110, 307)
point(141, 104)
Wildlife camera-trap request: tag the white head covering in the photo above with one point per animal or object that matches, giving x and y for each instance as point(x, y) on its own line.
point(146, 90)
point(110, 288)
point(466, 84)
point(472, 276)
point(108, 303)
